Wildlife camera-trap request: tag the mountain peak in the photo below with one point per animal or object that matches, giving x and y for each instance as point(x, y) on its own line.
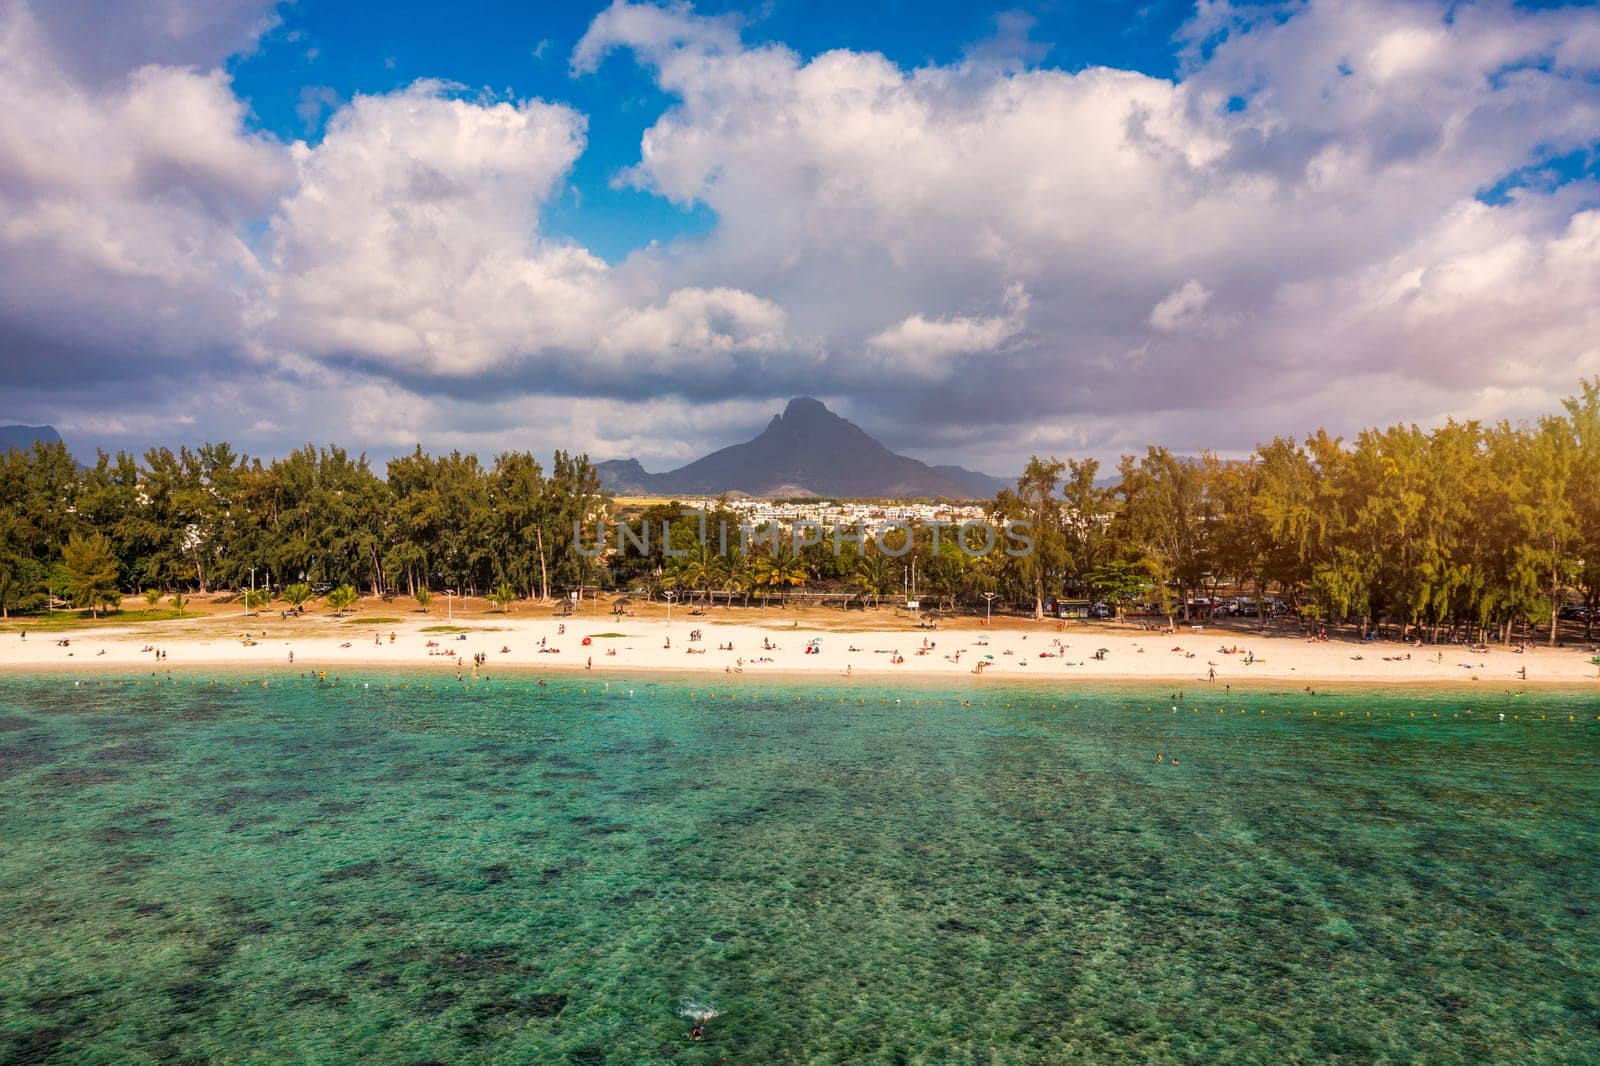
point(806, 408)
point(23, 438)
point(806, 450)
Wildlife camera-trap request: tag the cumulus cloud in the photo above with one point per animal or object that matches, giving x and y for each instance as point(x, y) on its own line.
point(411, 240)
point(1318, 166)
point(719, 323)
point(925, 347)
point(123, 209)
point(97, 42)
point(1180, 306)
point(411, 245)
point(1297, 229)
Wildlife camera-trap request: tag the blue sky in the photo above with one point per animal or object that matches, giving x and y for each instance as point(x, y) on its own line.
point(979, 231)
point(327, 50)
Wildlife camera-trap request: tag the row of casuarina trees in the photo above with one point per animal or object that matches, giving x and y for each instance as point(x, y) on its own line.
point(1463, 530)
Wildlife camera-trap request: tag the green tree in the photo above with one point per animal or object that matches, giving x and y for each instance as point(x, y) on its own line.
point(1583, 492)
point(341, 599)
point(423, 597)
point(503, 596)
point(1118, 581)
point(1547, 521)
point(875, 575)
point(1036, 501)
point(1169, 515)
point(91, 568)
point(778, 570)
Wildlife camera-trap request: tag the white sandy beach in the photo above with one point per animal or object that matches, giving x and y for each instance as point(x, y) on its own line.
point(1013, 650)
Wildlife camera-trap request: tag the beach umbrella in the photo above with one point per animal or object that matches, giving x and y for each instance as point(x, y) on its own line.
point(988, 656)
point(1105, 651)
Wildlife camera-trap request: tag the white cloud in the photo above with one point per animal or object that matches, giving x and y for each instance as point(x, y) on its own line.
point(98, 42)
point(925, 347)
point(866, 216)
point(412, 245)
point(1180, 307)
point(123, 208)
point(850, 190)
point(411, 240)
point(690, 323)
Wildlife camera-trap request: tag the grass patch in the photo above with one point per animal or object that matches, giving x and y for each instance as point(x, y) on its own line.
point(376, 621)
point(607, 636)
point(64, 620)
point(444, 629)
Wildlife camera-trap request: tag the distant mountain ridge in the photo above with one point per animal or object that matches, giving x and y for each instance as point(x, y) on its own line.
point(806, 450)
point(22, 438)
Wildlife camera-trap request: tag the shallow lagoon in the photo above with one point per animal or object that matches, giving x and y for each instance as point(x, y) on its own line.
point(411, 869)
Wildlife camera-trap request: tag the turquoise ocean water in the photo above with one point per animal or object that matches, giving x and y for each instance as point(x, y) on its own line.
point(408, 869)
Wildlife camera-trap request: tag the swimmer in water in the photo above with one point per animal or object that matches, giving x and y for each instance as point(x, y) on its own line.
point(697, 1031)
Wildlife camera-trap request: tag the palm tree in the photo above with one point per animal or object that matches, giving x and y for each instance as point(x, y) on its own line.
point(720, 577)
point(700, 567)
point(874, 574)
point(948, 577)
point(152, 596)
point(179, 602)
point(503, 596)
point(297, 594)
point(678, 575)
point(341, 599)
point(731, 573)
point(424, 597)
point(779, 570)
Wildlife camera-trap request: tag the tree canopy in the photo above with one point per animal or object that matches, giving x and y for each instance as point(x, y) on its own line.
point(1465, 526)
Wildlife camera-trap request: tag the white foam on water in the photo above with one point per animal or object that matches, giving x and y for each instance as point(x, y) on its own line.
point(700, 1012)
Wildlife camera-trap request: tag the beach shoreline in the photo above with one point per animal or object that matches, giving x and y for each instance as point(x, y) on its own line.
point(1208, 658)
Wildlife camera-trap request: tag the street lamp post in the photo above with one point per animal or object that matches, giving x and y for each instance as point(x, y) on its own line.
point(670, 597)
point(988, 606)
point(449, 604)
